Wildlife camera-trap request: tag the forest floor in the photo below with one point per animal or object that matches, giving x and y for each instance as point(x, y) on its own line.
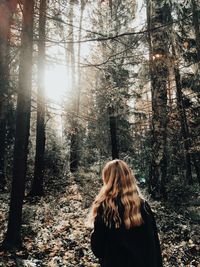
point(55, 234)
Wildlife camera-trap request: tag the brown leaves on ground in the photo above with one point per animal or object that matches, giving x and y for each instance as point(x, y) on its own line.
point(55, 234)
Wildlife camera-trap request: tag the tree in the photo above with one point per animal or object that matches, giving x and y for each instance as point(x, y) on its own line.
point(75, 97)
point(13, 234)
point(82, 7)
point(157, 16)
point(7, 8)
point(37, 185)
point(183, 118)
point(113, 133)
point(186, 112)
point(196, 22)
point(111, 93)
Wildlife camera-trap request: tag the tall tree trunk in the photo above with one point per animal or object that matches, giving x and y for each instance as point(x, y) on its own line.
point(77, 93)
point(157, 15)
point(83, 3)
point(37, 185)
point(73, 149)
point(183, 120)
point(196, 24)
point(4, 30)
point(71, 53)
point(113, 133)
point(74, 126)
point(13, 235)
point(7, 9)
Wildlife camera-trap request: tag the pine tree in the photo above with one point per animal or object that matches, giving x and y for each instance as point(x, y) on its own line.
point(157, 16)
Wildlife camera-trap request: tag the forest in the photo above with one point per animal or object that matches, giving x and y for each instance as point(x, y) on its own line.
point(83, 82)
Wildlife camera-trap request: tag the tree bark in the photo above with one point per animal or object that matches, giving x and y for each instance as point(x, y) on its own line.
point(7, 8)
point(37, 185)
point(4, 30)
point(196, 22)
point(73, 149)
point(184, 125)
point(183, 119)
point(13, 235)
point(83, 3)
point(158, 45)
point(113, 133)
point(74, 126)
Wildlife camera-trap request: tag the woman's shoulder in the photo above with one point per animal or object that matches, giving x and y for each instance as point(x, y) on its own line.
point(146, 208)
point(145, 203)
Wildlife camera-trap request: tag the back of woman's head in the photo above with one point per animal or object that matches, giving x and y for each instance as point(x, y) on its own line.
point(119, 185)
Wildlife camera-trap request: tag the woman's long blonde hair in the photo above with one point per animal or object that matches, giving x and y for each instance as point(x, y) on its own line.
point(118, 183)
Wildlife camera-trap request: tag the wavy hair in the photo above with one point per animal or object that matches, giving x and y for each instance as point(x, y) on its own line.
point(118, 183)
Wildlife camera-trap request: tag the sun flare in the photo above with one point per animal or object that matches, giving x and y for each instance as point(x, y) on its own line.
point(57, 82)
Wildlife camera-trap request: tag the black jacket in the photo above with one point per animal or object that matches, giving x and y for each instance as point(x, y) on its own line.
point(136, 247)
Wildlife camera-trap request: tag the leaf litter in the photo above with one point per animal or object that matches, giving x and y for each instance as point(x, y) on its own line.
point(55, 234)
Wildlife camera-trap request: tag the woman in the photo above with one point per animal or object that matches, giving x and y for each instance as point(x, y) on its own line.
point(125, 233)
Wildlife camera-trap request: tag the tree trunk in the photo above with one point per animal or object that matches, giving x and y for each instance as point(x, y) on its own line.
point(113, 133)
point(73, 149)
point(13, 235)
point(184, 125)
point(76, 97)
point(196, 22)
point(83, 3)
point(74, 126)
point(196, 162)
point(158, 45)
point(183, 118)
point(7, 9)
point(71, 54)
point(37, 185)
point(4, 30)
